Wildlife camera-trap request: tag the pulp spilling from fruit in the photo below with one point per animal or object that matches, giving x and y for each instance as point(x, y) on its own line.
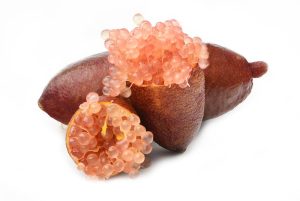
point(151, 55)
point(105, 139)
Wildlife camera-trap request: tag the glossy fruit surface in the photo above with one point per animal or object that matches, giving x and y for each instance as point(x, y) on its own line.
point(68, 89)
point(228, 80)
point(174, 114)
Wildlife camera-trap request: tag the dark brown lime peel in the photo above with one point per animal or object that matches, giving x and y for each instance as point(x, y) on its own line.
point(68, 89)
point(228, 80)
point(174, 114)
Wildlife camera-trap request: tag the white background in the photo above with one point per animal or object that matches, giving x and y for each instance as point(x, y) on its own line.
point(251, 153)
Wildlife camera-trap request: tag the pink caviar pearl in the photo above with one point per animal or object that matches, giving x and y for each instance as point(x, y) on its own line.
point(74, 130)
point(73, 142)
point(139, 157)
point(95, 107)
point(107, 170)
point(131, 136)
point(147, 149)
point(84, 106)
point(87, 121)
point(127, 155)
point(118, 165)
point(84, 138)
point(93, 143)
point(92, 158)
point(140, 130)
point(92, 97)
point(148, 137)
point(125, 126)
point(134, 119)
point(112, 152)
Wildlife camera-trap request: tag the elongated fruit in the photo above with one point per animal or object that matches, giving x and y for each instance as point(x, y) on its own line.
point(228, 81)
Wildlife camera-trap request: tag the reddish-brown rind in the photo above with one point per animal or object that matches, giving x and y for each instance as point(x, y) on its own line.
point(68, 89)
point(228, 80)
point(174, 115)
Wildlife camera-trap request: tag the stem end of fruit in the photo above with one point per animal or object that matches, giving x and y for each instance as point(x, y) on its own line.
point(258, 68)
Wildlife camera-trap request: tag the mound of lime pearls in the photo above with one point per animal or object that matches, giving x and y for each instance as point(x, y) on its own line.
point(105, 139)
point(151, 55)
